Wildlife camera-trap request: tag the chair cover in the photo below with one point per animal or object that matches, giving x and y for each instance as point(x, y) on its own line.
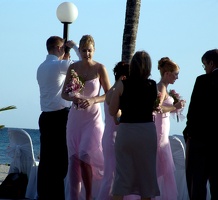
point(20, 150)
point(178, 152)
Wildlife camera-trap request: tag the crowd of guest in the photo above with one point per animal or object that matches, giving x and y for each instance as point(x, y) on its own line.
point(129, 153)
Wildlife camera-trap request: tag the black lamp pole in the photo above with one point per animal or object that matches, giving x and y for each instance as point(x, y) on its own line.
point(66, 27)
point(65, 35)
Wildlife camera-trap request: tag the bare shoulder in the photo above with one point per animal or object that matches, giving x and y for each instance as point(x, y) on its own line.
point(75, 65)
point(101, 68)
point(162, 89)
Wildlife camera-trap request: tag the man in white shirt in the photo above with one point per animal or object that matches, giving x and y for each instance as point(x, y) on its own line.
point(53, 162)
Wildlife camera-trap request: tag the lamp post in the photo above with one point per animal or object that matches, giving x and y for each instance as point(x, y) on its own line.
point(67, 13)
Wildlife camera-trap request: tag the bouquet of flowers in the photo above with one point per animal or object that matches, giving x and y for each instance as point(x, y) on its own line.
point(75, 84)
point(177, 98)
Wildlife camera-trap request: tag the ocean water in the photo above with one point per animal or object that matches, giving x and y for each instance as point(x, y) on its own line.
point(4, 142)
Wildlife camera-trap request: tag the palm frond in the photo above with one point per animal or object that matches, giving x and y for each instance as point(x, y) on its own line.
point(8, 108)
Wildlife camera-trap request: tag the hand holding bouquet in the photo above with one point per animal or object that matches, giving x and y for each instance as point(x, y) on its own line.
point(177, 98)
point(75, 85)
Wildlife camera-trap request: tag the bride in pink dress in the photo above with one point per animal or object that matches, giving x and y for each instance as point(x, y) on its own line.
point(85, 125)
point(165, 165)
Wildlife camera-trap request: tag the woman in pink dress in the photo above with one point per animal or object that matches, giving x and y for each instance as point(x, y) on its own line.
point(169, 72)
point(85, 125)
point(121, 72)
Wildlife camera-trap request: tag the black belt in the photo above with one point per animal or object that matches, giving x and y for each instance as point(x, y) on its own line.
point(64, 109)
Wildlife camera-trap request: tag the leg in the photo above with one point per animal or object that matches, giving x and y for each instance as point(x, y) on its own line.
point(196, 161)
point(74, 178)
point(51, 176)
point(117, 197)
point(86, 170)
point(213, 175)
point(188, 171)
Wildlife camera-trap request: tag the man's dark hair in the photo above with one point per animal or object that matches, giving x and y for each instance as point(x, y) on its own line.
point(211, 55)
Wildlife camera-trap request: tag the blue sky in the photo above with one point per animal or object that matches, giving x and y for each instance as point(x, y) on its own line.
point(182, 30)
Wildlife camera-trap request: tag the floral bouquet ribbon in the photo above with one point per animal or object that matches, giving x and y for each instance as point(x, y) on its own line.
point(177, 98)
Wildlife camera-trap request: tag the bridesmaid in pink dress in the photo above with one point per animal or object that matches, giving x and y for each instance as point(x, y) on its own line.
point(165, 166)
point(121, 72)
point(85, 125)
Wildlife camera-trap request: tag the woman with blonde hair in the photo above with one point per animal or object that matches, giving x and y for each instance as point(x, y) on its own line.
point(85, 125)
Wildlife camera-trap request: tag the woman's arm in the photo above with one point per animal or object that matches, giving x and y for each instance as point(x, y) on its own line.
point(115, 99)
point(105, 83)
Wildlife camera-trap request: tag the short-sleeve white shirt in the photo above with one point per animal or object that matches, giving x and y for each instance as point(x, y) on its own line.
point(51, 76)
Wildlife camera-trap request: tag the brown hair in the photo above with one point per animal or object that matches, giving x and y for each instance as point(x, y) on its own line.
point(140, 66)
point(167, 65)
point(121, 69)
point(54, 41)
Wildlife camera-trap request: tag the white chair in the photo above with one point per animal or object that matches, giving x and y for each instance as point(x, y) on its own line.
point(20, 150)
point(178, 152)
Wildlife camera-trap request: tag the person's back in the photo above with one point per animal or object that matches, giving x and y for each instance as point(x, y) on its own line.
point(50, 76)
point(52, 121)
point(136, 140)
point(133, 96)
point(206, 115)
point(201, 130)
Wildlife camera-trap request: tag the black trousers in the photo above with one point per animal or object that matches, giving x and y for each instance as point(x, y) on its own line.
point(53, 161)
point(201, 167)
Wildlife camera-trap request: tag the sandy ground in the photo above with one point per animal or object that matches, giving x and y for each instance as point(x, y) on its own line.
point(3, 172)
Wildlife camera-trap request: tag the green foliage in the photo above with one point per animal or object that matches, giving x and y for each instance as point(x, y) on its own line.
point(6, 108)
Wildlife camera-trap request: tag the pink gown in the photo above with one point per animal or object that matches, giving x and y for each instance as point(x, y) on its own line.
point(165, 164)
point(84, 134)
point(109, 156)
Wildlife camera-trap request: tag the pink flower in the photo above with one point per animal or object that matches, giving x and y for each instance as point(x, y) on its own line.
point(175, 96)
point(75, 83)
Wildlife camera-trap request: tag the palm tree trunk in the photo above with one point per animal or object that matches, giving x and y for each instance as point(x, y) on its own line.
point(130, 29)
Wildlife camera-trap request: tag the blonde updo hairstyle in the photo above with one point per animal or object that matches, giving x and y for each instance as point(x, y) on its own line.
point(85, 41)
point(167, 65)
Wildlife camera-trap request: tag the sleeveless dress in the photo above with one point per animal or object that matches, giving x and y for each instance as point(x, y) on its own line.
point(165, 163)
point(108, 141)
point(84, 134)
